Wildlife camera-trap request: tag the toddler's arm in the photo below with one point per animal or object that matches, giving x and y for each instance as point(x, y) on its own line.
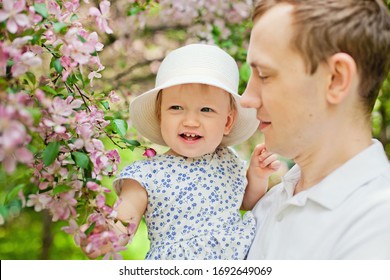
point(262, 165)
point(130, 210)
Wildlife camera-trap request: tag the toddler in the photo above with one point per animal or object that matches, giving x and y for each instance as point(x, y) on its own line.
point(191, 196)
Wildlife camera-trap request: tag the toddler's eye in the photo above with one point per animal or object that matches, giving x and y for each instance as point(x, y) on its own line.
point(207, 110)
point(175, 107)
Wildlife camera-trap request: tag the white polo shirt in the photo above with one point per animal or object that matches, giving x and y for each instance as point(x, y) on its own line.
point(345, 216)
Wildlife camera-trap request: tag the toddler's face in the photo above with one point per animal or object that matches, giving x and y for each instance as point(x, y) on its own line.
point(194, 118)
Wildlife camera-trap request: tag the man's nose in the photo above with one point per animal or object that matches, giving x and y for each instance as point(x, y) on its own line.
point(251, 98)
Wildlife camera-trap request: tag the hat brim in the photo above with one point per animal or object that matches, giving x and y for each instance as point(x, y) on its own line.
point(144, 118)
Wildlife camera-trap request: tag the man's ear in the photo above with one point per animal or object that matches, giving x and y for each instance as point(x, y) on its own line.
point(343, 74)
point(230, 121)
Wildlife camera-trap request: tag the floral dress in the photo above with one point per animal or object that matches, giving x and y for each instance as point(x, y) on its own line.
point(193, 205)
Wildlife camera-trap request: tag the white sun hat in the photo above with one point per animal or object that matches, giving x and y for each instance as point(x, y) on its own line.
point(195, 63)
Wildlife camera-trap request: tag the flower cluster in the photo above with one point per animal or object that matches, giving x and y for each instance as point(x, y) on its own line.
point(209, 20)
point(51, 125)
point(14, 137)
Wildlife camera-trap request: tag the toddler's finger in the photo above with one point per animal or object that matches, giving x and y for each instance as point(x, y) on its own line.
point(266, 162)
point(275, 165)
point(264, 155)
point(258, 149)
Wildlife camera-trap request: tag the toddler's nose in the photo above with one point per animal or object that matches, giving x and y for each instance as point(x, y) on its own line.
point(191, 120)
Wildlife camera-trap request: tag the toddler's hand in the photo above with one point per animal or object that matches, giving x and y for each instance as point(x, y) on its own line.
point(263, 163)
point(105, 239)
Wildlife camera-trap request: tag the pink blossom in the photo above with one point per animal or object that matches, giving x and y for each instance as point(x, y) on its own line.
point(13, 137)
point(76, 51)
point(100, 200)
point(76, 184)
point(12, 11)
point(94, 74)
point(69, 65)
point(105, 163)
point(60, 111)
point(54, 9)
point(50, 36)
point(39, 201)
point(97, 240)
point(104, 236)
point(149, 153)
point(63, 207)
point(93, 186)
point(102, 15)
point(114, 252)
point(24, 62)
point(92, 40)
point(94, 146)
point(95, 117)
point(114, 156)
point(22, 198)
point(72, 6)
point(56, 168)
point(21, 154)
point(76, 48)
point(3, 59)
point(113, 97)
point(114, 159)
point(21, 42)
point(65, 107)
point(74, 229)
point(34, 17)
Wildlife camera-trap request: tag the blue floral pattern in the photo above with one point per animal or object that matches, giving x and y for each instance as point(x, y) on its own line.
point(193, 205)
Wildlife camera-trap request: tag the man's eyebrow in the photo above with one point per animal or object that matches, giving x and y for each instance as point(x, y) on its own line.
point(263, 67)
point(257, 65)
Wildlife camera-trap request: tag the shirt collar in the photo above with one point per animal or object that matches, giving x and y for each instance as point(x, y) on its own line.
point(359, 170)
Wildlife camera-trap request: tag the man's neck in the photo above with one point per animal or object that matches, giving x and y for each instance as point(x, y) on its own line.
point(326, 157)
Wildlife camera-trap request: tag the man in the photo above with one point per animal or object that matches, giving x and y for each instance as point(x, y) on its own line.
point(317, 67)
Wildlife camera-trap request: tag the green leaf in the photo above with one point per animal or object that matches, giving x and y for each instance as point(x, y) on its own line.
point(81, 38)
point(105, 104)
point(41, 9)
point(50, 153)
point(133, 11)
point(74, 17)
point(120, 126)
point(14, 192)
point(35, 113)
point(37, 37)
point(61, 189)
point(31, 77)
point(72, 79)
point(81, 159)
point(80, 77)
point(10, 62)
point(90, 229)
point(59, 27)
point(134, 143)
point(57, 65)
point(48, 89)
